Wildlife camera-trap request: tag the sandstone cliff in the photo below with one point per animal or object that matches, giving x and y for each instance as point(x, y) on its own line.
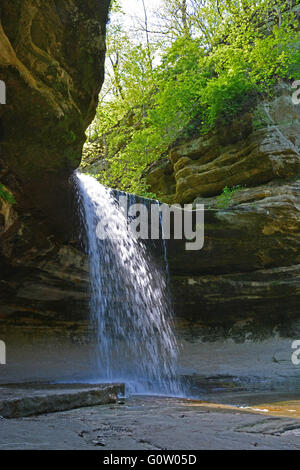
point(245, 281)
point(52, 62)
point(243, 285)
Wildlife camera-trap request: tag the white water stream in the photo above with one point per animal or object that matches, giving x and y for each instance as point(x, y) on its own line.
point(129, 308)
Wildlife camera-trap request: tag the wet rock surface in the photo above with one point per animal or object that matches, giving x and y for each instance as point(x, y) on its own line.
point(33, 399)
point(148, 423)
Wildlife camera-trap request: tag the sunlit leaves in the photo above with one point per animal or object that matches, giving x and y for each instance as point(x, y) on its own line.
point(221, 54)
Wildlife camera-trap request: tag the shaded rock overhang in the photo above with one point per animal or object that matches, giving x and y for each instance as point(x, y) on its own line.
point(52, 57)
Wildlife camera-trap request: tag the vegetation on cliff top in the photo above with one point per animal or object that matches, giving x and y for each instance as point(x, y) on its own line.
point(205, 63)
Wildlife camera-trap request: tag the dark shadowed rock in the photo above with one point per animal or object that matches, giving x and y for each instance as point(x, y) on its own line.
point(52, 62)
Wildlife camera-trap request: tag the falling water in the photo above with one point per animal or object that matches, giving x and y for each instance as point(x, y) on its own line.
point(130, 309)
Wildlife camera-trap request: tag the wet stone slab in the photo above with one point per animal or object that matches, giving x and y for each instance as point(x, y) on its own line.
point(153, 423)
point(21, 400)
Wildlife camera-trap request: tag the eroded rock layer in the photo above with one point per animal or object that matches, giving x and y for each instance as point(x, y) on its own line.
point(259, 147)
point(244, 283)
point(242, 286)
point(52, 62)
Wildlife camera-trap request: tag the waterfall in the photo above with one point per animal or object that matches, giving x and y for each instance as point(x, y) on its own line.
point(129, 308)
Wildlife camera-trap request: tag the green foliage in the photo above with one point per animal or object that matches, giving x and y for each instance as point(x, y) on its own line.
point(73, 136)
point(260, 118)
point(222, 56)
point(225, 198)
point(6, 195)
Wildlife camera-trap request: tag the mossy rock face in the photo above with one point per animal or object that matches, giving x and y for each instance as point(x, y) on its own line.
point(257, 148)
point(161, 178)
point(52, 62)
point(244, 283)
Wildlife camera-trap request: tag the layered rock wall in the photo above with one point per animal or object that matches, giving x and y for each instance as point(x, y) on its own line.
point(52, 63)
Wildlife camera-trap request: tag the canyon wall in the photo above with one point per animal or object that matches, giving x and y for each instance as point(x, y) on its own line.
point(236, 300)
point(52, 63)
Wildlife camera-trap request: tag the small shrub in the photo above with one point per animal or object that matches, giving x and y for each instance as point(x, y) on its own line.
point(225, 199)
